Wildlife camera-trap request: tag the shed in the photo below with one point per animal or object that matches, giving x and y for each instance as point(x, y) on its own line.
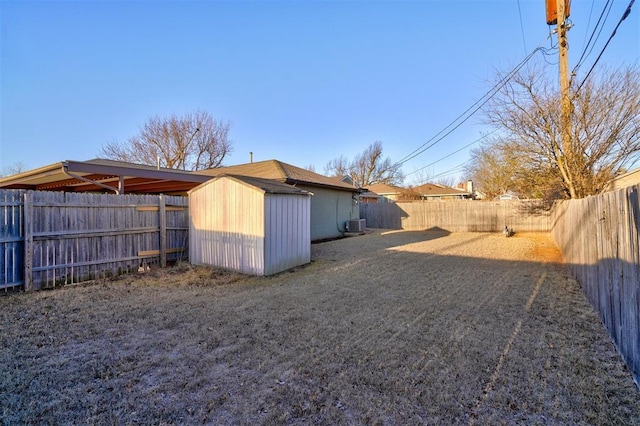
point(250, 225)
point(333, 203)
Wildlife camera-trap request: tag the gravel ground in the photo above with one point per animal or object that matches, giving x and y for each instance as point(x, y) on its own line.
point(391, 327)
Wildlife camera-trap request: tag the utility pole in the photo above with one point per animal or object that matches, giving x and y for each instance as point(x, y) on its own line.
point(563, 52)
point(557, 13)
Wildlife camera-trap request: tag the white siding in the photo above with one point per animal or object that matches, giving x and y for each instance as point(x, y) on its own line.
point(227, 226)
point(287, 232)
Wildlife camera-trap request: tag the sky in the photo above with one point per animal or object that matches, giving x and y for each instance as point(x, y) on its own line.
point(303, 82)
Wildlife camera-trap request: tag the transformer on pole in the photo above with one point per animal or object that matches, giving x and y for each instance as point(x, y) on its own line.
point(552, 11)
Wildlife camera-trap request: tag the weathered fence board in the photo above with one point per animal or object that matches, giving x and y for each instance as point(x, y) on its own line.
point(460, 215)
point(599, 239)
point(71, 237)
point(11, 239)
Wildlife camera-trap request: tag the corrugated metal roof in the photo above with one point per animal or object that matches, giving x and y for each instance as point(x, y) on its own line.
point(283, 172)
point(98, 175)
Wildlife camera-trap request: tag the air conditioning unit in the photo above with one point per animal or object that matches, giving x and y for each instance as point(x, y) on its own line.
point(355, 225)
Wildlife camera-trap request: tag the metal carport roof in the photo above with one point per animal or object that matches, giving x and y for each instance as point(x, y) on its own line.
point(101, 175)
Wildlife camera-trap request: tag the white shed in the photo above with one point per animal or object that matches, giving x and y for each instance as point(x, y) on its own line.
point(250, 225)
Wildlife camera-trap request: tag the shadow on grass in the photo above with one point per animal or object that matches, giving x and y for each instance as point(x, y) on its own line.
point(409, 336)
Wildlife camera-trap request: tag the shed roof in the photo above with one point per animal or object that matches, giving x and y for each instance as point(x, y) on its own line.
point(281, 172)
point(99, 175)
point(268, 186)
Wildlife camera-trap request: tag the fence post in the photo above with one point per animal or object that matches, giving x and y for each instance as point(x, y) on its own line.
point(162, 211)
point(28, 241)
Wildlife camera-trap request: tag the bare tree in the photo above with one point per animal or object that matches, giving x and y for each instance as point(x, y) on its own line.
point(13, 169)
point(194, 141)
point(337, 167)
point(449, 182)
point(495, 170)
point(367, 168)
point(605, 136)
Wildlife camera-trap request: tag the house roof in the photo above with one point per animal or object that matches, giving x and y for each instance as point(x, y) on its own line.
point(385, 189)
point(281, 172)
point(268, 186)
point(435, 190)
point(100, 175)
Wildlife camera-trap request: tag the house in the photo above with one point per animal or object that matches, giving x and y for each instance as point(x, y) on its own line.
point(470, 188)
point(333, 202)
point(507, 196)
point(624, 180)
point(434, 191)
point(346, 179)
point(107, 176)
point(382, 193)
point(250, 225)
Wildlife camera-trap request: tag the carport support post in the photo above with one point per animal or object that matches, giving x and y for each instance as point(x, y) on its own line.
point(162, 211)
point(28, 241)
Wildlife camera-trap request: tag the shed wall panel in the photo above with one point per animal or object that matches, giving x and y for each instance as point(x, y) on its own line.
point(227, 226)
point(287, 232)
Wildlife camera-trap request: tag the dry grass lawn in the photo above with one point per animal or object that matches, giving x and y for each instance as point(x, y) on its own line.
point(386, 328)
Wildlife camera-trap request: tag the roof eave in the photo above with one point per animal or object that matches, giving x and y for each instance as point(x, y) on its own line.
point(46, 170)
point(321, 185)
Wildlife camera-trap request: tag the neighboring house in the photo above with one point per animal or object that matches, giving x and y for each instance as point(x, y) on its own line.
point(101, 175)
point(382, 193)
point(434, 191)
point(369, 197)
point(479, 195)
point(624, 180)
point(507, 196)
point(333, 202)
point(470, 188)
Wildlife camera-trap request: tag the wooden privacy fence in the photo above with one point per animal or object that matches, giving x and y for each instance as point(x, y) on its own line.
point(460, 215)
point(11, 238)
point(51, 238)
point(599, 238)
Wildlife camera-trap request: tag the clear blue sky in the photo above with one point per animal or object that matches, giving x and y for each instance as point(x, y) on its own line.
point(303, 82)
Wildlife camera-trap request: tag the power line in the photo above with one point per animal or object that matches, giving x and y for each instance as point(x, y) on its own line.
point(460, 167)
point(524, 43)
point(584, 42)
point(456, 169)
point(597, 28)
point(624, 16)
point(452, 171)
point(454, 152)
point(475, 107)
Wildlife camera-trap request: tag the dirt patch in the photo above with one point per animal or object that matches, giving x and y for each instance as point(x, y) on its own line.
point(386, 328)
point(544, 249)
